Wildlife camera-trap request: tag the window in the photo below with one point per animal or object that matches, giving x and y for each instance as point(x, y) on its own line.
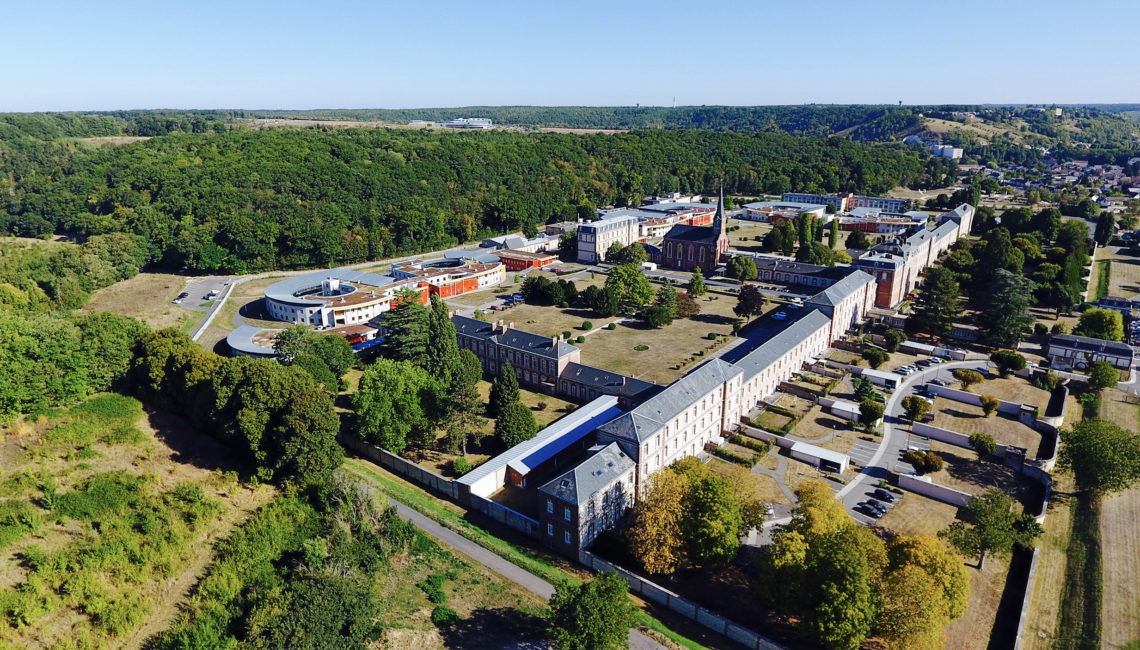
point(566, 537)
point(549, 507)
point(550, 530)
point(566, 514)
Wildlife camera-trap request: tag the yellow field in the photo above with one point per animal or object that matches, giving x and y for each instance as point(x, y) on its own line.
point(147, 296)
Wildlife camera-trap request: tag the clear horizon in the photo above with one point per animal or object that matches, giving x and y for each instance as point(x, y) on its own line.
point(75, 56)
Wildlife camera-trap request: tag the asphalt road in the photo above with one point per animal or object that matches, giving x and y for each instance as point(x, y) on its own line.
point(887, 457)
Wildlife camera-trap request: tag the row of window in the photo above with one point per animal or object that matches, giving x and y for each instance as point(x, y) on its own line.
point(550, 533)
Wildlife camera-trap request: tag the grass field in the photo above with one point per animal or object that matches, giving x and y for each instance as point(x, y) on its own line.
point(147, 296)
point(116, 518)
point(745, 238)
point(1124, 278)
point(1120, 542)
point(493, 612)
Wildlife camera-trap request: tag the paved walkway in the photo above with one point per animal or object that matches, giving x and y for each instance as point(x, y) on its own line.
point(510, 571)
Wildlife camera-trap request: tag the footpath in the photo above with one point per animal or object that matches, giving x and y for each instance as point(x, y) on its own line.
point(512, 572)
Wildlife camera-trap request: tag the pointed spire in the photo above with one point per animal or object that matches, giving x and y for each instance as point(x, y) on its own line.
point(719, 220)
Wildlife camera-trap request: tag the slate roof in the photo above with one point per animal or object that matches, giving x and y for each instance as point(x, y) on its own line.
point(590, 476)
point(1087, 344)
point(682, 232)
point(645, 420)
point(835, 294)
point(285, 290)
point(512, 338)
point(611, 382)
point(803, 268)
point(771, 350)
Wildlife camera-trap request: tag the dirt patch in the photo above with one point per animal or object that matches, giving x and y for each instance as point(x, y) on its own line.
point(146, 296)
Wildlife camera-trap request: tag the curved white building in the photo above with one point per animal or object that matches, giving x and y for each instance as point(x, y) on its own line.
point(336, 297)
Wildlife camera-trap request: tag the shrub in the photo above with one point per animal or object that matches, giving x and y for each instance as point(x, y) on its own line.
point(968, 377)
point(444, 616)
point(433, 587)
point(875, 357)
point(983, 443)
point(750, 443)
point(587, 325)
point(924, 462)
point(612, 326)
point(735, 458)
point(1040, 329)
point(989, 404)
point(566, 334)
point(460, 466)
point(711, 336)
point(580, 339)
point(641, 347)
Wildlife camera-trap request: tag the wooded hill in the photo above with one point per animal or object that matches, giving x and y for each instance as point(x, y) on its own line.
point(245, 200)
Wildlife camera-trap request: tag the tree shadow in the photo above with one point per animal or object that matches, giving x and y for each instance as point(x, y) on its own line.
point(961, 414)
point(713, 319)
point(192, 446)
point(501, 627)
point(986, 473)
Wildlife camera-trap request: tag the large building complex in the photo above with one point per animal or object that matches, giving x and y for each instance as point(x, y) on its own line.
point(595, 239)
point(777, 211)
point(335, 297)
point(848, 201)
point(897, 262)
point(455, 274)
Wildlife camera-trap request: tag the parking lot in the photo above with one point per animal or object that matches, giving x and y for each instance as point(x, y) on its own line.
point(197, 289)
point(871, 501)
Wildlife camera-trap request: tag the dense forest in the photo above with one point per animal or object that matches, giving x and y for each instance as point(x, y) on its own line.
point(245, 200)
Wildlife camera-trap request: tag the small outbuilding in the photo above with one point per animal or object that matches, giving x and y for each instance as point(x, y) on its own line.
point(880, 378)
point(825, 459)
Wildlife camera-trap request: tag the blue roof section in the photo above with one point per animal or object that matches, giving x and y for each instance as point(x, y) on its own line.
point(365, 345)
point(562, 438)
point(284, 290)
point(564, 430)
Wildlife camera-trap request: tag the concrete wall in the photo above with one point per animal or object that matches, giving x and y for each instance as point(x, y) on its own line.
point(944, 435)
point(1008, 408)
point(934, 491)
point(760, 434)
point(506, 516)
point(405, 468)
point(1025, 600)
point(684, 607)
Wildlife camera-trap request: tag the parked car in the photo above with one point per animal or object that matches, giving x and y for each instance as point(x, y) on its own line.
point(938, 382)
point(868, 510)
point(937, 360)
point(883, 495)
point(877, 505)
point(780, 315)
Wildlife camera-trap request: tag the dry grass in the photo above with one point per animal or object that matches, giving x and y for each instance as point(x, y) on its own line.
point(968, 419)
point(745, 238)
point(1120, 548)
point(972, 631)
point(146, 296)
point(915, 514)
point(758, 486)
point(1124, 277)
point(1041, 625)
point(978, 127)
point(104, 140)
point(963, 471)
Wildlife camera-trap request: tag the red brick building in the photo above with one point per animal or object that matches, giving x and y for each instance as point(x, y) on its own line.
point(687, 247)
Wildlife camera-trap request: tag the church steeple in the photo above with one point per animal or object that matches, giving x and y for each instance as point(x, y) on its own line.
point(719, 220)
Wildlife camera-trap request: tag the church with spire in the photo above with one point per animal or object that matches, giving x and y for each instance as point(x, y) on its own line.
point(688, 247)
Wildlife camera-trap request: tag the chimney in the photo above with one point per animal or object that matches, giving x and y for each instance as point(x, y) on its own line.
point(511, 325)
point(554, 342)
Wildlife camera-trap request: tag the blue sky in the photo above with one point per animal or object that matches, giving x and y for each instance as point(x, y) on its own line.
point(90, 55)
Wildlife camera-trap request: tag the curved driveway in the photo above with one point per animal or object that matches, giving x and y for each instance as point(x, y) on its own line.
point(893, 443)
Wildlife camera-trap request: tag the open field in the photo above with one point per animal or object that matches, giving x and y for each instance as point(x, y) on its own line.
point(673, 350)
point(907, 193)
point(1124, 276)
point(745, 238)
point(919, 515)
point(1120, 542)
point(147, 296)
point(104, 140)
point(968, 419)
point(1120, 548)
point(128, 502)
point(980, 128)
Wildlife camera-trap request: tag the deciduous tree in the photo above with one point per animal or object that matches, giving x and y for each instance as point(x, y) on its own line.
point(968, 377)
point(594, 615)
point(396, 405)
point(1103, 457)
point(1102, 375)
point(1007, 362)
point(741, 268)
point(1105, 324)
point(750, 302)
point(983, 443)
point(989, 404)
point(989, 525)
point(915, 407)
point(696, 286)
